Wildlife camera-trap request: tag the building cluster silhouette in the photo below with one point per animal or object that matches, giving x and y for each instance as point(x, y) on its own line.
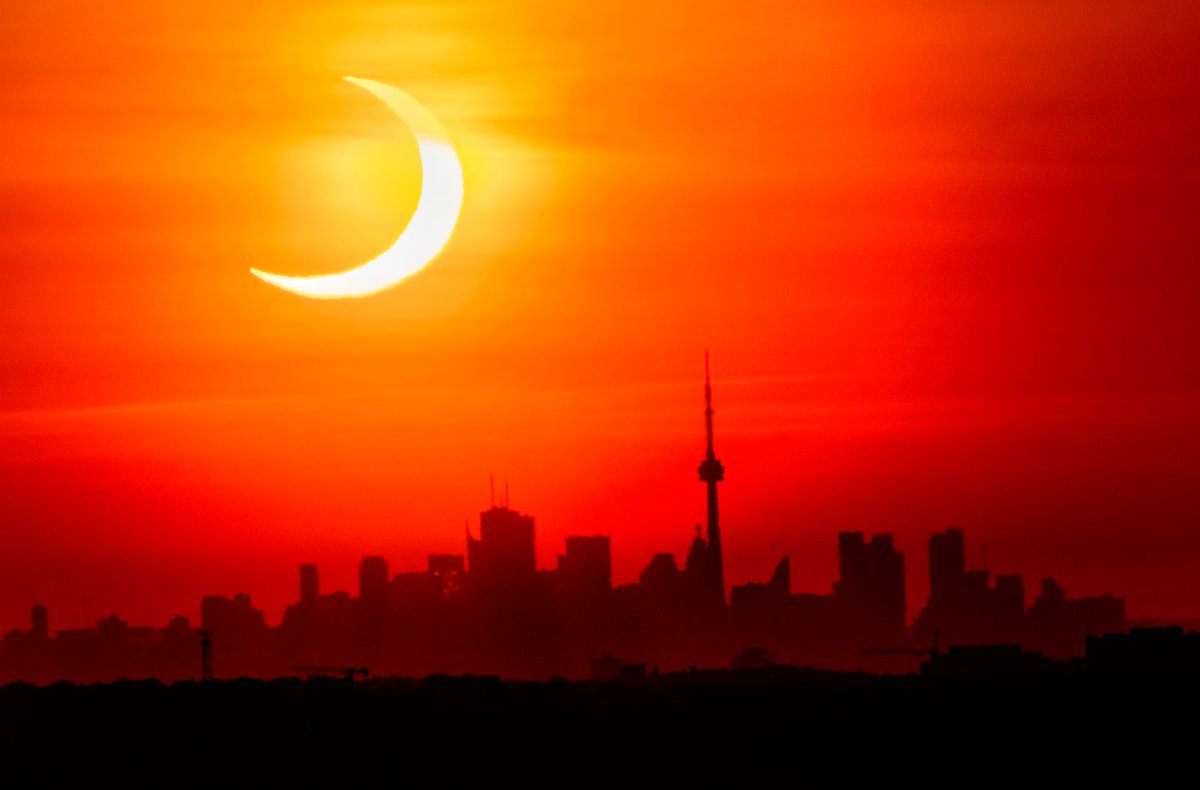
point(495, 612)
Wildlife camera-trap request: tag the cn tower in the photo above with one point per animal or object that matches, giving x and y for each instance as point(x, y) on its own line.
point(711, 473)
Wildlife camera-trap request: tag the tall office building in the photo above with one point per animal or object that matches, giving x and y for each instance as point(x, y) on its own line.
point(586, 568)
point(947, 566)
point(503, 554)
point(310, 588)
point(871, 588)
point(373, 579)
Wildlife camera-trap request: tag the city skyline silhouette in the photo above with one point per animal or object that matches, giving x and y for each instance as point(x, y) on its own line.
point(364, 430)
point(491, 610)
point(943, 258)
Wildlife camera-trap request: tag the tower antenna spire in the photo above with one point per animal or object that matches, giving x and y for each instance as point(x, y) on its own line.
point(708, 409)
point(711, 473)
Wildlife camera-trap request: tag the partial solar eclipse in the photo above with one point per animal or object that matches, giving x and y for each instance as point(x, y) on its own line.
point(430, 227)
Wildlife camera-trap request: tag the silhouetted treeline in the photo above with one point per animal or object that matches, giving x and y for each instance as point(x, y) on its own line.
point(807, 728)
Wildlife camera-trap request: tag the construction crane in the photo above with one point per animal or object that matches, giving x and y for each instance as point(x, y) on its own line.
point(347, 672)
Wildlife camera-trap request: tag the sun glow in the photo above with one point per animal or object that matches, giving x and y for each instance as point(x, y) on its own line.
point(432, 222)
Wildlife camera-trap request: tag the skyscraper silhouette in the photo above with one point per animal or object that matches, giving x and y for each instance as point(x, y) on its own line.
point(373, 579)
point(947, 566)
point(870, 592)
point(41, 622)
point(310, 585)
point(503, 556)
point(711, 473)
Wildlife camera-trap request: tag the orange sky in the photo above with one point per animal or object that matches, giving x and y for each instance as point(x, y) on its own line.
point(944, 258)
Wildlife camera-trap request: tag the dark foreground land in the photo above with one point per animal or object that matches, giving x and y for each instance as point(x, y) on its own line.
point(772, 727)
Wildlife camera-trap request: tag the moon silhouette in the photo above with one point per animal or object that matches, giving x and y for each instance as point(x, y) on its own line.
point(427, 231)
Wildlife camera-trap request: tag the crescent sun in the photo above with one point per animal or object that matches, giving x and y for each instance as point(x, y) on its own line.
point(432, 222)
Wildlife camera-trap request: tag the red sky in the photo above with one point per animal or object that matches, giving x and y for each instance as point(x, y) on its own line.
point(944, 257)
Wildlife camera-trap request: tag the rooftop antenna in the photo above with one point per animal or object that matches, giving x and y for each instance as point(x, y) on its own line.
point(506, 492)
point(492, 488)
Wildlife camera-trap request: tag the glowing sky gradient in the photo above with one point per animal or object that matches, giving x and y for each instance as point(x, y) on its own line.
point(944, 257)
